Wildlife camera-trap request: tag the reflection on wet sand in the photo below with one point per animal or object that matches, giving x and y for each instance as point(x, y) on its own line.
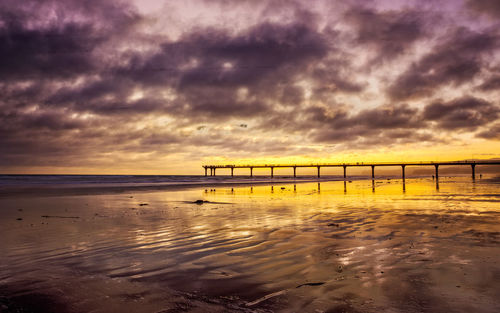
point(329, 247)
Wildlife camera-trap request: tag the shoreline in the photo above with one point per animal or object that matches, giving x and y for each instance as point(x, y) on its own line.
point(54, 190)
point(64, 190)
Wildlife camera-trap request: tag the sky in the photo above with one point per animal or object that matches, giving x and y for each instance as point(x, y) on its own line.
point(162, 87)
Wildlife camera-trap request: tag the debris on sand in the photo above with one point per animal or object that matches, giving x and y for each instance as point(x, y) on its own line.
point(201, 201)
point(334, 224)
point(58, 216)
point(143, 204)
point(282, 292)
point(311, 284)
point(19, 219)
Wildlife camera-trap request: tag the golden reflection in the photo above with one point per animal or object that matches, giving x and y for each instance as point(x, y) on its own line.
point(341, 234)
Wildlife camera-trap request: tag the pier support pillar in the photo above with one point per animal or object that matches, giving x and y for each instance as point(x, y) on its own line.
point(319, 172)
point(272, 172)
point(214, 171)
point(473, 171)
point(251, 172)
point(205, 172)
point(403, 172)
point(211, 171)
point(437, 170)
point(373, 172)
point(345, 171)
point(232, 171)
point(294, 172)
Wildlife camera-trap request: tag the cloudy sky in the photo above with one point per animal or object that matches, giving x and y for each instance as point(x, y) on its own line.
point(104, 86)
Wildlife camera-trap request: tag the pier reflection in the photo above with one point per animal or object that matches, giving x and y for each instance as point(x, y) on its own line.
point(381, 187)
point(247, 242)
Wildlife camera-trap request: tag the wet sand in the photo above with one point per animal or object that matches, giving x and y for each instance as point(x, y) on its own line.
point(331, 247)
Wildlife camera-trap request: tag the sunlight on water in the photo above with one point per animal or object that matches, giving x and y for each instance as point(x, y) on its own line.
point(305, 247)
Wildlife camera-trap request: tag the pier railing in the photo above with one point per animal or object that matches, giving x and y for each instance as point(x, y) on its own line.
point(318, 166)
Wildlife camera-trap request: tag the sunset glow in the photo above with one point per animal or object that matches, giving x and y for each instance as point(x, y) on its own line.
point(162, 87)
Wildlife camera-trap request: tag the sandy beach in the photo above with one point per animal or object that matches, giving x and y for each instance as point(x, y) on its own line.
point(305, 247)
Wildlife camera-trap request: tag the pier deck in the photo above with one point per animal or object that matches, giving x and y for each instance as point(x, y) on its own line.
point(318, 166)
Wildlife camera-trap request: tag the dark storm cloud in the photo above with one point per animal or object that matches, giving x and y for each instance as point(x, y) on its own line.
point(383, 117)
point(386, 117)
point(461, 113)
point(110, 95)
point(337, 125)
point(492, 83)
point(492, 132)
point(455, 61)
point(50, 53)
point(52, 120)
point(204, 68)
point(50, 39)
point(330, 81)
point(490, 7)
point(266, 49)
point(91, 90)
point(219, 104)
point(370, 123)
point(210, 57)
point(390, 124)
point(389, 32)
point(292, 95)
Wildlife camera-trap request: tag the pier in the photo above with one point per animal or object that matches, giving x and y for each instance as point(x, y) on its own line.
point(403, 165)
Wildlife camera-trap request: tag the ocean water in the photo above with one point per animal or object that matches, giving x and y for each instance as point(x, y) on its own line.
point(100, 184)
point(117, 180)
point(139, 180)
point(6, 180)
point(329, 246)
